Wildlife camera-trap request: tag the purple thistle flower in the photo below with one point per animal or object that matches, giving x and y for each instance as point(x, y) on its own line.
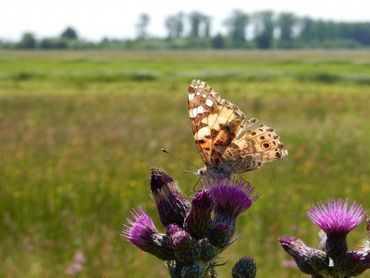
point(244, 268)
point(139, 232)
point(198, 221)
point(74, 269)
point(143, 233)
point(77, 265)
point(171, 202)
point(231, 196)
point(335, 217)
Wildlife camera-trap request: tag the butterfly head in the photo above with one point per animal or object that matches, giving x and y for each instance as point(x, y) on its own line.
point(202, 172)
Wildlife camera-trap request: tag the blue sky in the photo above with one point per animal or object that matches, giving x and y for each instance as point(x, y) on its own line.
point(113, 18)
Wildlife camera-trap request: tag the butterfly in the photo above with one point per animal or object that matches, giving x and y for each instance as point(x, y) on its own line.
point(225, 142)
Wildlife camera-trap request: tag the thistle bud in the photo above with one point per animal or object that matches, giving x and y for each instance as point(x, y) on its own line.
point(186, 249)
point(198, 221)
point(174, 268)
point(193, 271)
point(309, 260)
point(245, 268)
point(171, 202)
point(223, 229)
point(207, 250)
point(356, 263)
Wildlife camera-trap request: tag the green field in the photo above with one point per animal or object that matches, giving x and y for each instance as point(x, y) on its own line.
point(80, 130)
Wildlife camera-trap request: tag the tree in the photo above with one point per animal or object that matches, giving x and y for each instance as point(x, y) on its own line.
point(286, 23)
point(237, 24)
point(218, 41)
point(207, 26)
point(264, 28)
point(200, 25)
point(170, 24)
point(195, 18)
point(28, 41)
point(69, 34)
point(307, 31)
point(175, 25)
point(359, 32)
point(142, 26)
point(53, 43)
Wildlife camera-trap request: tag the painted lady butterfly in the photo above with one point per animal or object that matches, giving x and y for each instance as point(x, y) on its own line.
point(221, 134)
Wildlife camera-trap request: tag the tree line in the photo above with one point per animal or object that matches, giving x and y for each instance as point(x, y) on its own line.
point(260, 30)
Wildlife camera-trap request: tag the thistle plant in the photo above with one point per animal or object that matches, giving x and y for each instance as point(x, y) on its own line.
point(196, 231)
point(336, 219)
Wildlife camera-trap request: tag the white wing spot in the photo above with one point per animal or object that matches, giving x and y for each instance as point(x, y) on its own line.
point(209, 102)
point(216, 119)
point(200, 109)
point(194, 112)
point(204, 131)
point(191, 113)
point(191, 97)
point(204, 95)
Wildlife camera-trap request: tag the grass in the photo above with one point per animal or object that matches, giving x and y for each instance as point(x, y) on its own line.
point(79, 131)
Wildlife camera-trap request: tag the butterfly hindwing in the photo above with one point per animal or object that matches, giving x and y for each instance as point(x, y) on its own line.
point(253, 149)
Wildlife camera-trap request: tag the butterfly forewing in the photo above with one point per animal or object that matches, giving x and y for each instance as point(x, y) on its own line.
point(214, 121)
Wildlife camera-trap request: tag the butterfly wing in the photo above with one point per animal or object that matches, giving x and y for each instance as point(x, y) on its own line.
point(220, 133)
point(214, 121)
point(251, 150)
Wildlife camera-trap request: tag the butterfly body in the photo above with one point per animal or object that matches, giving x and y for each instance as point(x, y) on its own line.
point(208, 172)
point(222, 135)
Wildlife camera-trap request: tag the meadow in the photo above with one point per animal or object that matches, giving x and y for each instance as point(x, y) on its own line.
point(79, 132)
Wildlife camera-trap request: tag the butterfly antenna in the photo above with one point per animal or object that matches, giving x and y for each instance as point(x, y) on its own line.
point(178, 158)
point(187, 162)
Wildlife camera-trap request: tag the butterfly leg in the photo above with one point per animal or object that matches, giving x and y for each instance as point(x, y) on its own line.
point(195, 185)
point(247, 182)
